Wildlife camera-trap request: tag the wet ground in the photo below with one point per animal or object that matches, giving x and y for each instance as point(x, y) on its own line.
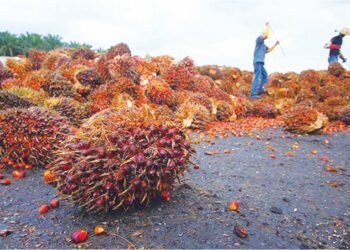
point(285, 202)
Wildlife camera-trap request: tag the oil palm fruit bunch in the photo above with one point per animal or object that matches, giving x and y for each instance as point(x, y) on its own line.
point(19, 68)
point(5, 73)
point(212, 71)
point(122, 67)
point(83, 53)
point(344, 115)
point(158, 90)
point(120, 164)
point(68, 107)
point(162, 63)
point(264, 109)
point(10, 100)
point(242, 107)
point(36, 57)
point(333, 105)
point(35, 79)
point(192, 115)
point(336, 69)
point(217, 93)
point(180, 74)
point(89, 78)
point(118, 50)
point(303, 119)
point(57, 85)
point(54, 59)
point(224, 111)
point(200, 84)
point(30, 135)
point(37, 97)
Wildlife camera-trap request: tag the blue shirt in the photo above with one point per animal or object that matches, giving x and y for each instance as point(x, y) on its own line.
point(338, 40)
point(260, 50)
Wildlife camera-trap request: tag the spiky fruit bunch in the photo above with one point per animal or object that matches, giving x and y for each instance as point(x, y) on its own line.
point(54, 59)
point(19, 68)
point(344, 115)
point(144, 66)
point(30, 135)
point(303, 119)
point(200, 98)
point(212, 71)
point(158, 90)
point(83, 53)
point(89, 78)
point(120, 165)
point(162, 63)
point(218, 94)
point(36, 57)
point(284, 104)
point(122, 67)
point(336, 69)
point(200, 84)
point(333, 105)
point(69, 108)
point(179, 75)
point(118, 50)
point(309, 76)
point(192, 115)
point(57, 85)
point(242, 107)
point(35, 79)
point(5, 73)
point(264, 109)
point(34, 96)
point(10, 100)
point(224, 111)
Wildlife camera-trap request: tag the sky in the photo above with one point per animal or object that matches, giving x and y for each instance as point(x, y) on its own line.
point(220, 32)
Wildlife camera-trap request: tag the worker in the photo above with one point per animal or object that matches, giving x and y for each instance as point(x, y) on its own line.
point(335, 45)
point(260, 74)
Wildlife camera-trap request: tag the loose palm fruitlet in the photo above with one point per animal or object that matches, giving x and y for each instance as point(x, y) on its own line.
point(10, 100)
point(303, 119)
point(30, 135)
point(109, 167)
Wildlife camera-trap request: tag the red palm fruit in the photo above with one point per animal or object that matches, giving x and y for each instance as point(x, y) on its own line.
point(6, 182)
point(43, 209)
point(79, 236)
point(54, 203)
point(10, 162)
point(1, 166)
point(18, 174)
point(196, 166)
point(100, 201)
point(47, 176)
point(233, 206)
point(1, 176)
point(140, 158)
point(21, 164)
point(28, 166)
point(165, 195)
point(99, 230)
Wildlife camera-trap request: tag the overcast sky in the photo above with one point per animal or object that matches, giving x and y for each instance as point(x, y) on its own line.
point(221, 32)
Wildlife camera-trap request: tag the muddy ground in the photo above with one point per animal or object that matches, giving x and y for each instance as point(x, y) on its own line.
point(286, 202)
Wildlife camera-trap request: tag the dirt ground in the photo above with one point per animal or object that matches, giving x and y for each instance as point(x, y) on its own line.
point(286, 202)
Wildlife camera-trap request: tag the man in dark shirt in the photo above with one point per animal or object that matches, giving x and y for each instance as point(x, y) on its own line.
point(335, 45)
point(260, 74)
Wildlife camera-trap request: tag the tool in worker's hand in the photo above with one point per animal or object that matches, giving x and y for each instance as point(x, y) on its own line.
point(274, 34)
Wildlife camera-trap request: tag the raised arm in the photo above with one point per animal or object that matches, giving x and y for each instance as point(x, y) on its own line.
point(272, 48)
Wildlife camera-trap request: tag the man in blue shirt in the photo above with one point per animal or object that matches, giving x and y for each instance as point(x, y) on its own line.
point(335, 45)
point(260, 74)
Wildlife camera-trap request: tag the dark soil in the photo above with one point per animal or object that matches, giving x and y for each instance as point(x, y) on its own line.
point(285, 202)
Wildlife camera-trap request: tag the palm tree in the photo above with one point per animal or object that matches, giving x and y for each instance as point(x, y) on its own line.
point(52, 41)
point(8, 44)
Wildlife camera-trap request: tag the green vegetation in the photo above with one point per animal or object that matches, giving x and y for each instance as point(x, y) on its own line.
point(12, 45)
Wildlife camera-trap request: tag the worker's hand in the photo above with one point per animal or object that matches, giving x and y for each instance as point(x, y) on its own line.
point(344, 60)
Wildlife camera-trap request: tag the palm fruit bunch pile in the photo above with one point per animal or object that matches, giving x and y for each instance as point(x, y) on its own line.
point(36, 57)
point(336, 69)
point(30, 135)
point(89, 78)
point(10, 100)
point(303, 119)
point(110, 164)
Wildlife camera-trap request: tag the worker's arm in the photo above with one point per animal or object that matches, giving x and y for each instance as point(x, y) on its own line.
point(274, 46)
point(267, 31)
